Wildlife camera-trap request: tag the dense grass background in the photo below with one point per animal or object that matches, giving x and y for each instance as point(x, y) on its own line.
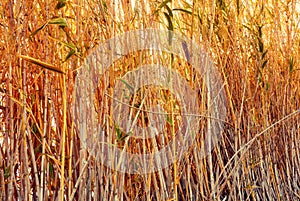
point(256, 47)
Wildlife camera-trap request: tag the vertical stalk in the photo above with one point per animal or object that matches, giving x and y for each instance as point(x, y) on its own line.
point(208, 81)
point(43, 160)
point(64, 131)
point(24, 121)
point(10, 140)
point(45, 119)
point(23, 132)
point(173, 133)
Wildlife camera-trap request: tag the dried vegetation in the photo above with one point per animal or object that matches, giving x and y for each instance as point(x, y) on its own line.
point(255, 46)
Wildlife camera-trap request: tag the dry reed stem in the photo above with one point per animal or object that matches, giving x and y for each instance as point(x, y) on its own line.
point(255, 45)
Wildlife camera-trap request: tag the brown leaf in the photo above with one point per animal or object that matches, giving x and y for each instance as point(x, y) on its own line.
point(41, 63)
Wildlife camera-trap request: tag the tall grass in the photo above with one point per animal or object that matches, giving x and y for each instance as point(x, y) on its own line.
point(255, 46)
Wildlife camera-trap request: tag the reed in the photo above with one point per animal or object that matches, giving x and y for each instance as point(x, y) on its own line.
point(255, 46)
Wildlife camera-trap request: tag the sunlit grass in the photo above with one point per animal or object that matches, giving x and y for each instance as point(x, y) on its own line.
point(254, 45)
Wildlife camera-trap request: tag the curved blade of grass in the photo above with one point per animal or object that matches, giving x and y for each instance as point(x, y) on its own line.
point(170, 24)
point(38, 29)
point(41, 63)
point(183, 10)
point(169, 11)
point(162, 5)
point(62, 22)
point(69, 45)
point(69, 55)
point(74, 49)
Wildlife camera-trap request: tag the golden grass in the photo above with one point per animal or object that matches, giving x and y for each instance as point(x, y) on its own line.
point(255, 46)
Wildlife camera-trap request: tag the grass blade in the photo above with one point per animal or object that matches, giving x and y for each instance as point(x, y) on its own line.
point(41, 63)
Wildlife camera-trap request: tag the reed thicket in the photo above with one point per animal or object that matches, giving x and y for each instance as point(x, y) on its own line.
point(255, 46)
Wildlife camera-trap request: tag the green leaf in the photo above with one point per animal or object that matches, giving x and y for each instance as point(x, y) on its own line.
point(70, 54)
point(261, 45)
point(129, 87)
point(34, 129)
point(183, 10)
point(38, 29)
point(264, 64)
point(169, 11)
point(51, 170)
point(119, 133)
point(291, 64)
point(169, 120)
point(60, 4)
point(170, 23)
point(264, 54)
point(267, 86)
point(62, 22)
point(125, 136)
point(73, 47)
point(260, 31)
point(162, 5)
point(120, 136)
point(7, 172)
point(104, 6)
